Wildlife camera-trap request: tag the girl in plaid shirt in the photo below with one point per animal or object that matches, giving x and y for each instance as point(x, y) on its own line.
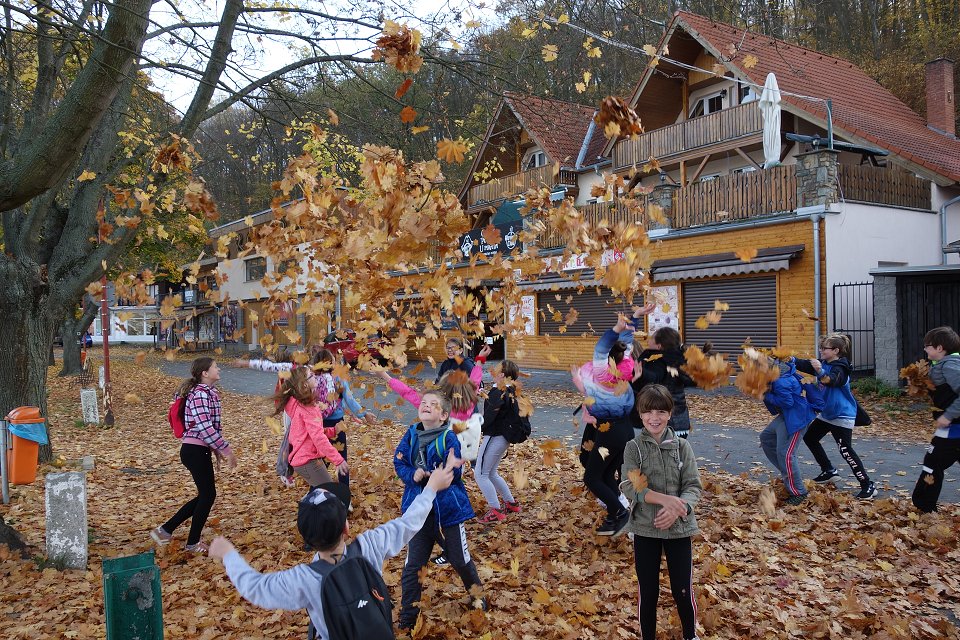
point(202, 440)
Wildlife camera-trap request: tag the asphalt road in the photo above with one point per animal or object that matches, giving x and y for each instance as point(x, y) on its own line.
point(893, 466)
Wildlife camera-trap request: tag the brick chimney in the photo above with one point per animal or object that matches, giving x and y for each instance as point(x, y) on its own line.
point(941, 100)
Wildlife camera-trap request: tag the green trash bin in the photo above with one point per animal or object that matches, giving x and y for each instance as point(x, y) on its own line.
point(131, 590)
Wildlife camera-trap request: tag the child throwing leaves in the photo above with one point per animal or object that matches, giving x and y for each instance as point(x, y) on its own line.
point(839, 412)
point(423, 449)
point(202, 441)
point(455, 360)
point(500, 410)
point(942, 346)
point(780, 439)
point(662, 483)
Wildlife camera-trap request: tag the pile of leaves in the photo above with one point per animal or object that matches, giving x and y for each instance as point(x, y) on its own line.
point(832, 567)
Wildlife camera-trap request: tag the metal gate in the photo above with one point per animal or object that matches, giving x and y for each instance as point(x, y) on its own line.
point(853, 316)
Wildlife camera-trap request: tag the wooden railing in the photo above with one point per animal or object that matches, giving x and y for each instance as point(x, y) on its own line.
point(736, 197)
point(728, 124)
point(611, 212)
point(517, 183)
point(879, 185)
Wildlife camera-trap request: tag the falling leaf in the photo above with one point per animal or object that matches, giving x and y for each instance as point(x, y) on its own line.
point(333, 117)
point(708, 372)
point(86, 175)
point(550, 52)
point(408, 114)
point(491, 235)
point(452, 150)
point(917, 376)
point(521, 477)
point(637, 479)
point(140, 357)
point(756, 374)
point(403, 88)
point(132, 398)
point(768, 502)
point(750, 61)
point(604, 452)
point(416, 130)
point(616, 112)
point(746, 255)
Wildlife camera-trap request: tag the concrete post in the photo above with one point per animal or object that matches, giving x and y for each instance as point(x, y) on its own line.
point(661, 198)
point(886, 329)
point(66, 506)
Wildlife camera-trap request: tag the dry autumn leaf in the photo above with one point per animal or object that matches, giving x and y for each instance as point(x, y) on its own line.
point(747, 254)
point(408, 114)
point(452, 150)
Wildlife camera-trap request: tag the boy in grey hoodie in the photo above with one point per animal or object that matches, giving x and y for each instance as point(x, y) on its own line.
point(322, 521)
point(942, 346)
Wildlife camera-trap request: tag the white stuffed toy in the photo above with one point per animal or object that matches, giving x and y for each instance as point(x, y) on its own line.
point(468, 431)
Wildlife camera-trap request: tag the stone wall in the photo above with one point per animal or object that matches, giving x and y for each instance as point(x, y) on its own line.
point(886, 329)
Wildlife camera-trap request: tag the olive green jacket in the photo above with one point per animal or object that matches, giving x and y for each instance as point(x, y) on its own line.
point(670, 467)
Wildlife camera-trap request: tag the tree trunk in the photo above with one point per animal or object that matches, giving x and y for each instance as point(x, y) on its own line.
point(27, 325)
point(73, 330)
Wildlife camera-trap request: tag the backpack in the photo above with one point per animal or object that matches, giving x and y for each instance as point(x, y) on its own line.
point(814, 393)
point(355, 599)
point(515, 432)
point(175, 416)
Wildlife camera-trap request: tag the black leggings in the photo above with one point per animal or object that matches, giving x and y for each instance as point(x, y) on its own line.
point(941, 455)
point(599, 471)
point(646, 556)
point(815, 433)
point(199, 461)
point(340, 442)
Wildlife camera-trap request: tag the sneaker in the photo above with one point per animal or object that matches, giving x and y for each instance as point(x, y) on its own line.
point(867, 492)
point(200, 548)
point(512, 507)
point(613, 526)
point(481, 604)
point(826, 476)
point(440, 561)
point(160, 536)
point(795, 500)
point(491, 517)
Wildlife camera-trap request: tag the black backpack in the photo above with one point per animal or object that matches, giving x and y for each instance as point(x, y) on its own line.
point(514, 432)
point(356, 602)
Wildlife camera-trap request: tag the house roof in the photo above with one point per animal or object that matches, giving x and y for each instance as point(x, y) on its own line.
point(559, 127)
point(862, 109)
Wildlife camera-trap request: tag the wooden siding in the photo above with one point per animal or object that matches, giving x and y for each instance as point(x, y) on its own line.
point(794, 295)
point(736, 197)
point(696, 133)
point(879, 185)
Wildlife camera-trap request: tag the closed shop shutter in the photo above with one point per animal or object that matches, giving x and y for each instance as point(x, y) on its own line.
point(752, 314)
point(597, 313)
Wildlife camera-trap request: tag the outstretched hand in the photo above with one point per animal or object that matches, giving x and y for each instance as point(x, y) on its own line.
point(442, 476)
point(220, 547)
point(645, 310)
point(485, 352)
point(621, 325)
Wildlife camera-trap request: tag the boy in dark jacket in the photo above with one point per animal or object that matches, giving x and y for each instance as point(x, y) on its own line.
point(942, 346)
point(782, 436)
point(423, 448)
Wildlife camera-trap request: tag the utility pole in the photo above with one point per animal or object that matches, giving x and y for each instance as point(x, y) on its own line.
point(104, 331)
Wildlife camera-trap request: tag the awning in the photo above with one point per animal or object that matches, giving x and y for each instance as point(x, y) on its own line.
point(724, 264)
point(508, 212)
point(557, 282)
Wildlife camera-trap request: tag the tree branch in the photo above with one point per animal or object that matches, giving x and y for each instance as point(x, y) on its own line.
point(54, 150)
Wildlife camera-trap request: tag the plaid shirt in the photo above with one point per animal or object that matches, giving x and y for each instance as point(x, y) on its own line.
point(202, 417)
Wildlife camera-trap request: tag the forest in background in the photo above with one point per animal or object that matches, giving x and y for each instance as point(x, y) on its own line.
point(246, 147)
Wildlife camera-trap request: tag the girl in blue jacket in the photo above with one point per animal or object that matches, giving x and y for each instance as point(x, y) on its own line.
point(782, 436)
point(839, 412)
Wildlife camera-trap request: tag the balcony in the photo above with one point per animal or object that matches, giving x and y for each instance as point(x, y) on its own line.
point(517, 183)
point(726, 126)
point(757, 194)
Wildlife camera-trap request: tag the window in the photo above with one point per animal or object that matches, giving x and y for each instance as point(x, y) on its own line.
point(256, 268)
point(537, 159)
point(747, 169)
point(285, 265)
point(707, 105)
point(709, 178)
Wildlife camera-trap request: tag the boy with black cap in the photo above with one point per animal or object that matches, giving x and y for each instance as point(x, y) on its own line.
point(322, 521)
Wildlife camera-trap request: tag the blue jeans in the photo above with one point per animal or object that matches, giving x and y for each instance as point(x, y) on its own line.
point(780, 447)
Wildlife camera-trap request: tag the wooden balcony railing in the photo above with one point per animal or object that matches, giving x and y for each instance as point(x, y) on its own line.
point(517, 183)
point(728, 124)
point(736, 197)
point(879, 185)
point(613, 212)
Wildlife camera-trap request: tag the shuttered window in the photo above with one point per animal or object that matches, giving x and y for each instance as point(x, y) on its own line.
point(752, 314)
point(596, 313)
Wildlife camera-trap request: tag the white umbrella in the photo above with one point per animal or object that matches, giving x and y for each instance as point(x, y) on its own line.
point(770, 108)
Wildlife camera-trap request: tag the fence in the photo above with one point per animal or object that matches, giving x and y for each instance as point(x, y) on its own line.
point(853, 316)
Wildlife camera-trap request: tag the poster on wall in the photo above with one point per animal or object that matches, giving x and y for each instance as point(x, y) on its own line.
point(666, 313)
point(527, 310)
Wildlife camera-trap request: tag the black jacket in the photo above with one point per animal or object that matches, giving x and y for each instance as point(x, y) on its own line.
point(450, 364)
point(499, 408)
point(657, 371)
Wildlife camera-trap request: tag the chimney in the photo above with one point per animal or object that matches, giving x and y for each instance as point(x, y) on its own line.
point(941, 100)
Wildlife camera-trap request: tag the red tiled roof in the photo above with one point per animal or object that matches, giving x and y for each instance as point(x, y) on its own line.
point(861, 107)
point(559, 127)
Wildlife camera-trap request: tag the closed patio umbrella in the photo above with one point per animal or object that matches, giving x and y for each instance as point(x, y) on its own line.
point(770, 108)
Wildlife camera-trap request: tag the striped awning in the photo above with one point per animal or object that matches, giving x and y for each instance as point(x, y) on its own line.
point(724, 264)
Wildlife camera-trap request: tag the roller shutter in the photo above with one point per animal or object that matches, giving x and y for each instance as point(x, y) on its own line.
point(596, 312)
point(752, 314)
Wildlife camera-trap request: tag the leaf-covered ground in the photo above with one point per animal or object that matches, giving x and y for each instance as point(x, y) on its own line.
point(830, 568)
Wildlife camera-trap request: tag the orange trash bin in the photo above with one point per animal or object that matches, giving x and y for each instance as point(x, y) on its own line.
point(23, 457)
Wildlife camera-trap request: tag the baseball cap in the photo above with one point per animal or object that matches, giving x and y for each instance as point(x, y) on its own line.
point(322, 514)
